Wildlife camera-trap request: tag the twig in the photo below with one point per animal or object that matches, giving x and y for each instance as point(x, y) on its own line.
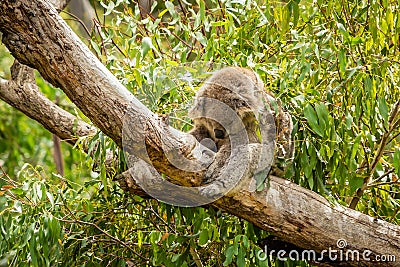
point(105, 233)
point(382, 144)
point(382, 176)
point(195, 256)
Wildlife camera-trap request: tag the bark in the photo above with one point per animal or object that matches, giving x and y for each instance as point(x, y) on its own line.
point(304, 218)
point(38, 37)
point(29, 28)
point(22, 93)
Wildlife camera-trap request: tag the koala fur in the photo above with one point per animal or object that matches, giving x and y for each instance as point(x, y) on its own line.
point(243, 92)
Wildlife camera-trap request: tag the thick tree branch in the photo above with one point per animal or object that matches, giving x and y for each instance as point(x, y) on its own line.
point(22, 93)
point(29, 28)
point(37, 36)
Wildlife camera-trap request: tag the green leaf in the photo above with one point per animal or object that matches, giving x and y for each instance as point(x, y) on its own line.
point(355, 183)
point(50, 198)
point(229, 252)
point(295, 7)
point(201, 38)
point(316, 51)
point(312, 119)
point(322, 32)
point(109, 8)
point(356, 40)
point(155, 237)
point(368, 85)
point(175, 257)
point(310, 181)
point(237, 239)
point(171, 8)
point(33, 252)
point(96, 48)
point(219, 23)
point(246, 242)
point(342, 61)
point(349, 121)
point(396, 161)
point(383, 109)
point(18, 191)
point(146, 46)
point(312, 156)
point(203, 238)
point(240, 259)
point(260, 177)
point(140, 238)
point(342, 30)
point(172, 63)
point(355, 147)
point(323, 115)
point(202, 10)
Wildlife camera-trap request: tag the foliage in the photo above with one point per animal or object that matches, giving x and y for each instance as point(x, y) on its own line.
point(23, 140)
point(45, 224)
point(333, 64)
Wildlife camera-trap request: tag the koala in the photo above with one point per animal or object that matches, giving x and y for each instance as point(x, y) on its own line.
point(241, 91)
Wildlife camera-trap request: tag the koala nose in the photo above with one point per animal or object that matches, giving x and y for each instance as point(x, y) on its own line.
point(219, 133)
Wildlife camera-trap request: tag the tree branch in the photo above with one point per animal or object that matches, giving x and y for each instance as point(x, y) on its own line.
point(22, 93)
point(70, 65)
